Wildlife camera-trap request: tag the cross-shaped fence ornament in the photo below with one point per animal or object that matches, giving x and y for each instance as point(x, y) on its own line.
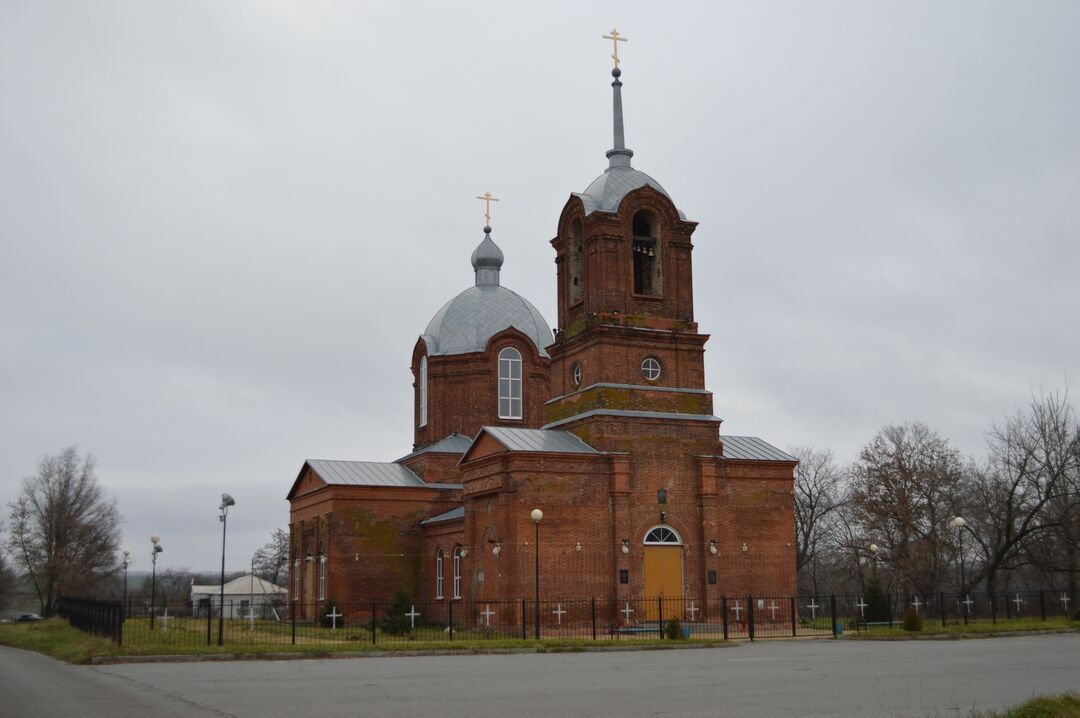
point(251, 617)
point(916, 603)
point(626, 611)
point(488, 199)
point(615, 38)
point(412, 614)
point(334, 616)
point(487, 613)
point(1065, 600)
point(968, 602)
point(692, 610)
point(813, 608)
point(738, 609)
point(559, 611)
point(165, 619)
point(773, 608)
point(1019, 602)
point(862, 604)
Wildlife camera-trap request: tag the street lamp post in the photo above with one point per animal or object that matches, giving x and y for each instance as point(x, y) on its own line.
point(536, 515)
point(127, 560)
point(959, 523)
point(874, 550)
point(153, 575)
point(226, 502)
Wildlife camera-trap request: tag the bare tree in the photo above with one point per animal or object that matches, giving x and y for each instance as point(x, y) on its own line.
point(64, 529)
point(903, 486)
point(1031, 464)
point(817, 497)
point(272, 560)
point(7, 578)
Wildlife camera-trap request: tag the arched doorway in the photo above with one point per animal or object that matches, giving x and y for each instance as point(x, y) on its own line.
point(663, 572)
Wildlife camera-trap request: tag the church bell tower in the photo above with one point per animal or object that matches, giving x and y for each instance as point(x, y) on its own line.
point(627, 343)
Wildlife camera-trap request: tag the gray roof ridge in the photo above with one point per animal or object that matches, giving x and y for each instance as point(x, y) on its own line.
point(451, 515)
point(634, 414)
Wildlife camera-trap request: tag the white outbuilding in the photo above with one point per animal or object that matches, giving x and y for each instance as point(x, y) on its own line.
point(245, 596)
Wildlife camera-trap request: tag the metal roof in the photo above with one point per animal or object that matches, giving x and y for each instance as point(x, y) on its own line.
point(634, 414)
point(546, 440)
point(606, 192)
point(243, 585)
point(751, 447)
point(452, 444)
point(466, 323)
point(452, 514)
point(364, 473)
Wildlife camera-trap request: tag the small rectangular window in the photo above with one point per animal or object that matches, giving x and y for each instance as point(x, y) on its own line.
point(712, 578)
point(624, 575)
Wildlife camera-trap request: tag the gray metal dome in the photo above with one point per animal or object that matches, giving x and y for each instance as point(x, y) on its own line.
point(606, 192)
point(466, 323)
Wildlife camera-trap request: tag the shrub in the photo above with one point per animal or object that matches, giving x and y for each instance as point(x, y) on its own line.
point(396, 622)
point(673, 630)
point(912, 620)
point(877, 602)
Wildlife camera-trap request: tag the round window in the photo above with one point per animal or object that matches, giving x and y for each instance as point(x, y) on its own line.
point(575, 373)
point(650, 369)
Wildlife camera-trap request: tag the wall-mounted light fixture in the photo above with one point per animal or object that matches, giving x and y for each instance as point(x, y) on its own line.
point(496, 549)
point(745, 548)
point(626, 545)
point(577, 546)
point(713, 548)
point(663, 517)
point(463, 551)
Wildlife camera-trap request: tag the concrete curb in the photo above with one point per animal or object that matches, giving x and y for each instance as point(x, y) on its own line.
point(961, 636)
point(313, 655)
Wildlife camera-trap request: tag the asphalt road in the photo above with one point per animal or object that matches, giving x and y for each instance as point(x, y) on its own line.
point(788, 678)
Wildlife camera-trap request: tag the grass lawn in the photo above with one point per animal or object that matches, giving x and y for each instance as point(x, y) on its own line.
point(1063, 706)
point(930, 628)
point(54, 637)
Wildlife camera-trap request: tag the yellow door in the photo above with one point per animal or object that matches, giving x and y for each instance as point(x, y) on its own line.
point(663, 578)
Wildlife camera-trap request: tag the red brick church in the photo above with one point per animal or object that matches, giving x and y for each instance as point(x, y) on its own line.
point(606, 427)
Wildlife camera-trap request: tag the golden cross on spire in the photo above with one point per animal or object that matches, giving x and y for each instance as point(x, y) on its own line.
point(615, 38)
point(488, 199)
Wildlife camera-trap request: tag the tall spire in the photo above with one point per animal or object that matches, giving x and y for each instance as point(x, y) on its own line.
point(619, 155)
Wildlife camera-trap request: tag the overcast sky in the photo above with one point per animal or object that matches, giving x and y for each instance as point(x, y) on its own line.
point(224, 224)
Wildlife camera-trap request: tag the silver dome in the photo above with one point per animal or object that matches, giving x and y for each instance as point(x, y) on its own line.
point(607, 191)
point(466, 323)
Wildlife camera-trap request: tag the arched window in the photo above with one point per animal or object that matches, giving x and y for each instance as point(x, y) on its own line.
point(423, 391)
point(296, 579)
point(663, 535)
point(575, 276)
point(438, 573)
point(509, 383)
point(646, 253)
point(322, 577)
point(457, 572)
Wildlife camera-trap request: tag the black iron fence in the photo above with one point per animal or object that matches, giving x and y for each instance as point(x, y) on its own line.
point(100, 618)
point(730, 618)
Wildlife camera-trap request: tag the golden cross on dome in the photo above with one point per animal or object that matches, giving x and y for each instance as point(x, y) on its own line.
point(488, 199)
point(615, 38)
